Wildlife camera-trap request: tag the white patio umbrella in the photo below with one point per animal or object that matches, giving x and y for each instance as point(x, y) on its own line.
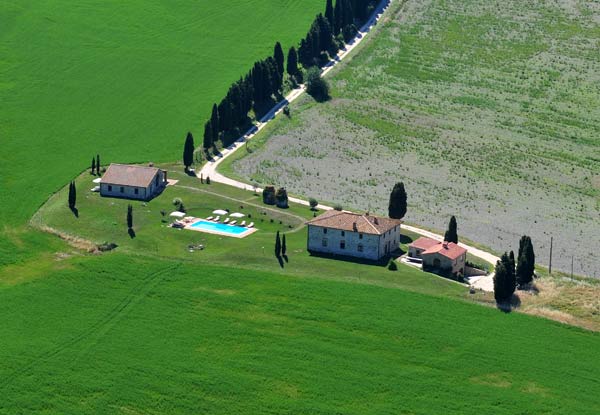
point(177, 214)
point(97, 180)
point(219, 212)
point(237, 215)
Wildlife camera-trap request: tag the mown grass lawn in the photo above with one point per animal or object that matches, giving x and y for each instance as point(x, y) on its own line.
point(121, 334)
point(104, 220)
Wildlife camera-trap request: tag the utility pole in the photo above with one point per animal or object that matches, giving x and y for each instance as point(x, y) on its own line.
point(550, 264)
point(571, 266)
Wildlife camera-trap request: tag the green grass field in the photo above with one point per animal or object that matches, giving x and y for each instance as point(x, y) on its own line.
point(123, 79)
point(119, 335)
point(152, 328)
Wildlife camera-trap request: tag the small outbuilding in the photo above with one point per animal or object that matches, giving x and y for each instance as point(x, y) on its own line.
point(133, 182)
point(442, 257)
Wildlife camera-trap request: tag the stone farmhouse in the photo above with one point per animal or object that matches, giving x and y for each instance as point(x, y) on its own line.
point(350, 234)
point(133, 182)
point(441, 256)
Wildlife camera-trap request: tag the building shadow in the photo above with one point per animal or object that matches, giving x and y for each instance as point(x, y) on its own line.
point(131, 233)
point(510, 305)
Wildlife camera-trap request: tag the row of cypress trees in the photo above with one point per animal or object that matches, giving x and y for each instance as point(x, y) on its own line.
point(511, 273)
point(327, 34)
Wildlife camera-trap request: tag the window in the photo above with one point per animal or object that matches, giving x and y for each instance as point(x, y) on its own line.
point(342, 244)
point(136, 191)
point(109, 188)
point(360, 248)
point(122, 189)
point(360, 236)
point(324, 243)
point(343, 233)
point(324, 230)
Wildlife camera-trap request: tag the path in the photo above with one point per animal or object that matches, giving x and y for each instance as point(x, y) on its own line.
point(210, 168)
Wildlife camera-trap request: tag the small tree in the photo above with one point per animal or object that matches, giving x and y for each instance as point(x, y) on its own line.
point(282, 198)
point(72, 195)
point(277, 245)
point(283, 245)
point(129, 216)
point(313, 203)
point(208, 136)
point(98, 164)
point(392, 266)
point(292, 64)
point(337, 207)
point(452, 234)
point(397, 206)
point(188, 151)
point(526, 262)
point(504, 280)
point(93, 165)
point(316, 86)
point(207, 179)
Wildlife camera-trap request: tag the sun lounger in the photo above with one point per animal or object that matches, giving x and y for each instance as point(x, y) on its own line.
point(243, 223)
point(233, 222)
point(209, 218)
point(218, 218)
point(226, 220)
point(251, 225)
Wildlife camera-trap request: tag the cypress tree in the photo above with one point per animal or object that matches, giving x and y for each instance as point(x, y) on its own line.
point(511, 257)
point(526, 261)
point(397, 206)
point(452, 234)
point(283, 245)
point(504, 280)
point(188, 151)
point(214, 122)
point(93, 165)
point(279, 57)
point(129, 216)
point(292, 62)
point(530, 255)
point(72, 195)
point(329, 12)
point(208, 136)
point(277, 245)
point(98, 164)
point(338, 17)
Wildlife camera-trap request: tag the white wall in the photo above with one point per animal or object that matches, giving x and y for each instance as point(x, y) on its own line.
point(128, 191)
point(373, 246)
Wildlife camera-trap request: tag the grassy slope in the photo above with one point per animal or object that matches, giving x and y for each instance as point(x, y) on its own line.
point(125, 79)
point(103, 220)
point(177, 338)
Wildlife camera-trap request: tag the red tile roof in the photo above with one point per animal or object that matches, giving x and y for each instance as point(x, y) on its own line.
point(448, 249)
point(424, 243)
point(129, 175)
point(354, 222)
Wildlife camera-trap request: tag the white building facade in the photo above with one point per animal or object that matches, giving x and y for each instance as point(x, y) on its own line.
point(133, 182)
point(354, 235)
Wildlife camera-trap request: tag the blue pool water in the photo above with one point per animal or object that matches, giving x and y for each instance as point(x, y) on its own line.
point(219, 227)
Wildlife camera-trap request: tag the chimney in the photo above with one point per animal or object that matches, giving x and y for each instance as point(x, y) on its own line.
point(376, 221)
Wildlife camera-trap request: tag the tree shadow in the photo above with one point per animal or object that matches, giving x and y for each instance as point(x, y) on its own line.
point(508, 306)
point(405, 239)
point(280, 259)
point(131, 233)
point(285, 257)
point(75, 211)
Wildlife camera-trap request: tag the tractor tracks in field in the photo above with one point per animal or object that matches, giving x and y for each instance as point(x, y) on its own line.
point(98, 329)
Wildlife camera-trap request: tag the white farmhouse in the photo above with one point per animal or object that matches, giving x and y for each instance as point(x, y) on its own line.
point(355, 235)
point(133, 182)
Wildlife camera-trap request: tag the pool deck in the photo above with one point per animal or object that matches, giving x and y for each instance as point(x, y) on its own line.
point(247, 232)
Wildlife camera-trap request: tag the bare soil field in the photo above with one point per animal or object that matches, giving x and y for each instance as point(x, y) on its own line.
point(487, 110)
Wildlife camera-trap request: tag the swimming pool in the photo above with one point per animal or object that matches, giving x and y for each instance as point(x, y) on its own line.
point(221, 229)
